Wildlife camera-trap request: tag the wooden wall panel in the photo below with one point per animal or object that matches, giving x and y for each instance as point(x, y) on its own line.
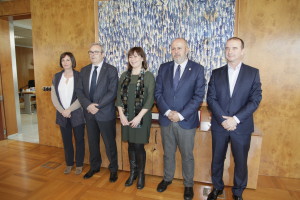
point(271, 30)
point(24, 57)
point(57, 26)
point(2, 115)
point(17, 7)
point(7, 79)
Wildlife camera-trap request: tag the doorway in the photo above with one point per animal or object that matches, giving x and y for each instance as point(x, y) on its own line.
point(28, 130)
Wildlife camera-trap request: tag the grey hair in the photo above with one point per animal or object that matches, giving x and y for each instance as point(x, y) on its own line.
point(100, 45)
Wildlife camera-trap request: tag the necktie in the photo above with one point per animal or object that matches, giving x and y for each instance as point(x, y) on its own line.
point(176, 77)
point(93, 83)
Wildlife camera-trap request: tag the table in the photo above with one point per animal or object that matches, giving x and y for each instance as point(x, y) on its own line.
point(27, 101)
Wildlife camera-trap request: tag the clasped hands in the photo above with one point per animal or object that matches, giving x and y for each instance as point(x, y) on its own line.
point(229, 123)
point(92, 108)
point(66, 113)
point(173, 116)
point(133, 123)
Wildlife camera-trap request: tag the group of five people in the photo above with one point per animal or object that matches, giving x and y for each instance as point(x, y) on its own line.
point(91, 95)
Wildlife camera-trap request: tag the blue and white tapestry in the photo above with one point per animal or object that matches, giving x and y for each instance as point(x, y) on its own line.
point(153, 24)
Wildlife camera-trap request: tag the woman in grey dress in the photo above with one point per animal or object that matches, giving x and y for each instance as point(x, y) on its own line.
point(134, 101)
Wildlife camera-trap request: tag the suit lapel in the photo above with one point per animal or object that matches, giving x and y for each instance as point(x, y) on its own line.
point(170, 74)
point(226, 80)
point(186, 73)
point(86, 81)
point(102, 74)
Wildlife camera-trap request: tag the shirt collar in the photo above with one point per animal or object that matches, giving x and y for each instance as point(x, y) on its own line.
point(99, 65)
point(182, 65)
point(237, 67)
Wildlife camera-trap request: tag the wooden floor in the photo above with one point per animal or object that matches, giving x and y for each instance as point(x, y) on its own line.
point(33, 171)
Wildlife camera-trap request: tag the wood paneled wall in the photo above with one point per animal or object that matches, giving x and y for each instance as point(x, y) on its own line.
point(24, 57)
point(12, 8)
point(57, 26)
point(271, 30)
point(7, 79)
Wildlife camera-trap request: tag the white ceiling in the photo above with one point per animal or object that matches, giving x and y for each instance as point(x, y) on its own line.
point(23, 32)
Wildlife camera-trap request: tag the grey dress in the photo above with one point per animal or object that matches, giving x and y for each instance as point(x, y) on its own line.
point(138, 135)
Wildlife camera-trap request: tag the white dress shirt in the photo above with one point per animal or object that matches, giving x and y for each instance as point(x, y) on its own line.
point(232, 77)
point(182, 67)
point(65, 90)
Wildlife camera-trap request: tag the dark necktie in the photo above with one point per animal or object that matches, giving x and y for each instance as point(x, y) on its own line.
point(93, 83)
point(176, 77)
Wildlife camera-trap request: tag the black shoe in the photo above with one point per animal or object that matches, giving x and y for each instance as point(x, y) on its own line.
point(90, 173)
point(213, 195)
point(188, 193)
point(141, 181)
point(162, 186)
point(132, 177)
point(113, 177)
point(237, 197)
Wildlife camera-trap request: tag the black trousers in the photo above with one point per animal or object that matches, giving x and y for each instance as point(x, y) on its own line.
point(66, 133)
point(107, 129)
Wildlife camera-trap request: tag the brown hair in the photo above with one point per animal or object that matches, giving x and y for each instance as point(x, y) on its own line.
point(71, 57)
point(237, 38)
point(140, 52)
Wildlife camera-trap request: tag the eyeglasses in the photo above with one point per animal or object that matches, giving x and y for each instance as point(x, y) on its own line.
point(94, 52)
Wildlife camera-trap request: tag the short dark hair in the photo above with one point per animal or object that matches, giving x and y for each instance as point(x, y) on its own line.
point(140, 52)
point(237, 38)
point(71, 57)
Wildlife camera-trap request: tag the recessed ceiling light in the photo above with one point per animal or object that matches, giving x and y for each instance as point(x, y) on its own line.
point(19, 37)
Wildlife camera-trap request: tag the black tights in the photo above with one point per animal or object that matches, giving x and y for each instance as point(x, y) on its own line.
point(137, 148)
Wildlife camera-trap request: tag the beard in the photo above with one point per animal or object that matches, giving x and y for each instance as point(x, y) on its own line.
point(179, 60)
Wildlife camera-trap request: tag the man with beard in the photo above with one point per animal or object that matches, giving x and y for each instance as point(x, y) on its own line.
point(179, 91)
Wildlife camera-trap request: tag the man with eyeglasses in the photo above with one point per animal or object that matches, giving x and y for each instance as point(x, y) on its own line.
point(96, 91)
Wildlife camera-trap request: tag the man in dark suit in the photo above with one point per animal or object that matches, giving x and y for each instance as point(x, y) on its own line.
point(180, 88)
point(96, 91)
point(234, 93)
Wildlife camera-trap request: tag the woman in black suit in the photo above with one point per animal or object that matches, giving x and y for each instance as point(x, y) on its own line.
point(69, 115)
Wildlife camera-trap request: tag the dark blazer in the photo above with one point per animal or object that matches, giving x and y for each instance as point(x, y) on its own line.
point(245, 99)
point(77, 117)
point(105, 92)
point(186, 99)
